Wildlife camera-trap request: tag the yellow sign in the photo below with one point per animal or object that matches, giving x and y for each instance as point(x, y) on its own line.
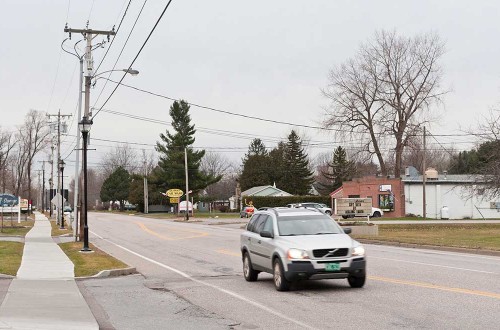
point(174, 200)
point(174, 193)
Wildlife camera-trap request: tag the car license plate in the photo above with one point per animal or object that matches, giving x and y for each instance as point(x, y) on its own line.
point(332, 267)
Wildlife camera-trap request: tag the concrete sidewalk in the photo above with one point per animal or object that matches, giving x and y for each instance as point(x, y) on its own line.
point(44, 295)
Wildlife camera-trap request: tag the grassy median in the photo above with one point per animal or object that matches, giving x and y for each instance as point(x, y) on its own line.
point(88, 264)
point(471, 236)
point(11, 254)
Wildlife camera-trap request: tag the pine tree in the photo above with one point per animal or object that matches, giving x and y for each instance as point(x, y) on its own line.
point(338, 171)
point(277, 165)
point(116, 187)
point(171, 173)
point(255, 166)
point(297, 177)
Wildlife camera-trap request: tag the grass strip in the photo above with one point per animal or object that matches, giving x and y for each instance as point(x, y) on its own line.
point(12, 228)
point(11, 254)
point(471, 236)
point(57, 231)
point(88, 264)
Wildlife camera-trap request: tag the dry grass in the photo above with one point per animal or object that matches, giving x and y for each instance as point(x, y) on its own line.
point(56, 231)
point(88, 264)
point(472, 236)
point(12, 228)
point(11, 254)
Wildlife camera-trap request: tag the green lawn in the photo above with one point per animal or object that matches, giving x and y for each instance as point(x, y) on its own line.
point(11, 254)
point(88, 264)
point(472, 236)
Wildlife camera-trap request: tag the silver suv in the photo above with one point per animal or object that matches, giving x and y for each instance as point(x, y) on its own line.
point(295, 244)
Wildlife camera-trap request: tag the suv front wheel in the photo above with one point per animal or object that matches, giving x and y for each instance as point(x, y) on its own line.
point(280, 282)
point(249, 273)
point(356, 282)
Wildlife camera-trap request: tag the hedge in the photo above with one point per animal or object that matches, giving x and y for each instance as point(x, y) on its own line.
point(270, 201)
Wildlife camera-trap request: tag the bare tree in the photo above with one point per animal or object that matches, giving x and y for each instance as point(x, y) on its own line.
point(32, 139)
point(214, 164)
point(7, 143)
point(382, 95)
point(488, 133)
point(123, 155)
point(439, 159)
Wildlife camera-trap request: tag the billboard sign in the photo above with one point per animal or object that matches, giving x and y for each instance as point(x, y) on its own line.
point(353, 207)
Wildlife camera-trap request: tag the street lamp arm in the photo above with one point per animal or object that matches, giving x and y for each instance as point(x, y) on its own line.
point(131, 71)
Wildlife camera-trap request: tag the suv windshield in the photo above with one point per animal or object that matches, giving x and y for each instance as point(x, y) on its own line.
point(307, 225)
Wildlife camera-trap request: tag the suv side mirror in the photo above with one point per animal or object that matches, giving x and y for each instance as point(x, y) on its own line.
point(267, 234)
point(347, 230)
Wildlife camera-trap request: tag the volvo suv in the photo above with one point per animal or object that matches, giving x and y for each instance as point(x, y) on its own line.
point(298, 244)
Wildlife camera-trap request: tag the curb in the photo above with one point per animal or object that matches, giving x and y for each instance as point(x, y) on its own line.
point(110, 273)
point(432, 247)
point(5, 276)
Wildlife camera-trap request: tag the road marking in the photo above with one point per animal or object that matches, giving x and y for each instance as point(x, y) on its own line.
point(146, 229)
point(434, 265)
point(231, 253)
point(213, 286)
point(431, 251)
point(436, 287)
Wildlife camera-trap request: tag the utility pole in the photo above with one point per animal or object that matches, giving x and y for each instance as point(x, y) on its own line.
point(51, 180)
point(187, 183)
point(59, 129)
point(75, 225)
point(43, 185)
point(86, 121)
point(146, 196)
point(424, 179)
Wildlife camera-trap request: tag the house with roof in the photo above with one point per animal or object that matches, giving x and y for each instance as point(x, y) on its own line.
point(265, 191)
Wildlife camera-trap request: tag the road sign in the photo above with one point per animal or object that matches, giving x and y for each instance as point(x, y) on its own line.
point(56, 201)
point(353, 206)
point(174, 200)
point(174, 193)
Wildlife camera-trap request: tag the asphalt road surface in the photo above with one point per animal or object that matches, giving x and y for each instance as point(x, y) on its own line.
point(193, 279)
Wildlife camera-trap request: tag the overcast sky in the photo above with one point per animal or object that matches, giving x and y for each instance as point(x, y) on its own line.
point(267, 59)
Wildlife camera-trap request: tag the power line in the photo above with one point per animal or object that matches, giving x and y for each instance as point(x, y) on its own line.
point(117, 30)
point(135, 58)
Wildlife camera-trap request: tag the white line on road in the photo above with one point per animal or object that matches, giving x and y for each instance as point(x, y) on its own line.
point(435, 265)
point(231, 293)
point(430, 251)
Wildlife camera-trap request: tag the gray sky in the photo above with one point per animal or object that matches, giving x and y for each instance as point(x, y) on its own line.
point(262, 58)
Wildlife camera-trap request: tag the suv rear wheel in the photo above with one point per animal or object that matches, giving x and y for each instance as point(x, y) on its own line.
point(356, 282)
point(280, 282)
point(248, 272)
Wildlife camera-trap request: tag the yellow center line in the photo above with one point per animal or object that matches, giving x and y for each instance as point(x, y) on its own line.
point(152, 232)
point(410, 283)
point(436, 287)
point(231, 253)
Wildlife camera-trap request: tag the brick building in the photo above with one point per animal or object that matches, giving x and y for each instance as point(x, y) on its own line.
point(386, 193)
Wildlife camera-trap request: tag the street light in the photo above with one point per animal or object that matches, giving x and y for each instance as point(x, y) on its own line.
point(129, 71)
point(85, 126)
point(61, 168)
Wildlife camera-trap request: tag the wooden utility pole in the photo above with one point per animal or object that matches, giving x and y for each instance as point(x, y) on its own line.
point(424, 179)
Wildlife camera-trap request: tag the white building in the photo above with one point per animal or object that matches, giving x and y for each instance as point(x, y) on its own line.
point(451, 191)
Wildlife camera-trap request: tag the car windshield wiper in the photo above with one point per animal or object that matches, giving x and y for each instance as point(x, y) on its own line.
point(323, 233)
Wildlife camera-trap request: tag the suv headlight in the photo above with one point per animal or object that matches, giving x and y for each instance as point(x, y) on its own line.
point(297, 254)
point(358, 251)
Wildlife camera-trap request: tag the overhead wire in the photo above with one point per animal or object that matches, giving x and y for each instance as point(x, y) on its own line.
point(135, 58)
point(121, 52)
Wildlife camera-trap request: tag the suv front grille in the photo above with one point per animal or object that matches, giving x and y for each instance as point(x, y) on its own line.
point(330, 253)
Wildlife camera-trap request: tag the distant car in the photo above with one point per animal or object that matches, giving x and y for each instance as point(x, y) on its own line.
point(320, 206)
point(247, 212)
point(376, 213)
point(130, 207)
point(67, 209)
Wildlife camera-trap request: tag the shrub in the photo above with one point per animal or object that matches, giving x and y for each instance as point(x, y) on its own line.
point(223, 209)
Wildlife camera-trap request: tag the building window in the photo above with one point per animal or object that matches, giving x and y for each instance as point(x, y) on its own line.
point(354, 196)
point(386, 202)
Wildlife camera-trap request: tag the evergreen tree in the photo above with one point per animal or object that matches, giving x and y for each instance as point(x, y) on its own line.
point(277, 165)
point(255, 166)
point(297, 177)
point(171, 173)
point(338, 171)
point(116, 187)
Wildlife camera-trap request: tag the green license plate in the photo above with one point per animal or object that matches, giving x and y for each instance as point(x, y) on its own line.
point(332, 267)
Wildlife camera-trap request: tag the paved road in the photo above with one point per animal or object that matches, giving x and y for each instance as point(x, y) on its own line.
point(201, 265)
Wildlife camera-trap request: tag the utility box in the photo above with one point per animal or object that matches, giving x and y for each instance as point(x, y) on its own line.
point(445, 213)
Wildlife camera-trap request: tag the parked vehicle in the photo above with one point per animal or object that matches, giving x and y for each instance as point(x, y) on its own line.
point(376, 213)
point(247, 212)
point(319, 206)
point(299, 244)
